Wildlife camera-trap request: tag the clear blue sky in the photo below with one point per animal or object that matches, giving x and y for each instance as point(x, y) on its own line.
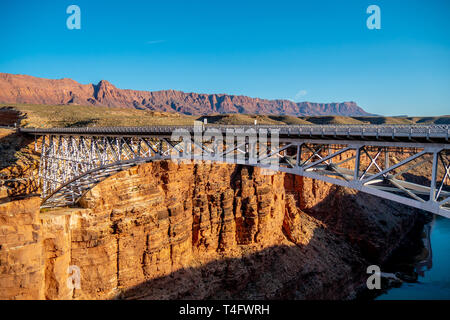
point(318, 51)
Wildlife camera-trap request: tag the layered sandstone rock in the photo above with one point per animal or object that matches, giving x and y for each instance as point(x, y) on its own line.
point(21, 250)
point(19, 165)
point(167, 230)
point(32, 90)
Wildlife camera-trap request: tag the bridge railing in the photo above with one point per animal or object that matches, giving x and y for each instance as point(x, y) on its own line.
point(364, 131)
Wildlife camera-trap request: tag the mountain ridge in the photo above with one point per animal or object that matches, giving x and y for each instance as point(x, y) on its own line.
point(25, 89)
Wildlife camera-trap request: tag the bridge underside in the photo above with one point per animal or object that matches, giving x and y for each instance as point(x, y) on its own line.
point(414, 174)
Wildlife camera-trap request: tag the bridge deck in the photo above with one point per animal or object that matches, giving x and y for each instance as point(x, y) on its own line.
point(382, 160)
point(422, 133)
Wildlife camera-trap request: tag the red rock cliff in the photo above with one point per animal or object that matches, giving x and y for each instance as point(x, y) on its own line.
point(32, 90)
point(164, 230)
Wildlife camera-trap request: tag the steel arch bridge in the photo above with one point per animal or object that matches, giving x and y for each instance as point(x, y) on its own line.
point(406, 164)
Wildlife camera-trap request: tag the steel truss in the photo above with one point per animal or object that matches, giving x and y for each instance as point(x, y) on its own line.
point(416, 174)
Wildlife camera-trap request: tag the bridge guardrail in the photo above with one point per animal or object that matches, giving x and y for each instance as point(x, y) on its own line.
point(393, 131)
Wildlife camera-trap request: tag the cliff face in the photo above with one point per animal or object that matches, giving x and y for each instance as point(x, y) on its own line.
point(19, 165)
point(21, 250)
point(32, 90)
point(165, 230)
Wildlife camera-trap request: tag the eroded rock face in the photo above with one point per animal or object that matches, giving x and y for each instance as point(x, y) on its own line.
point(167, 230)
point(21, 248)
point(33, 90)
point(10, 117)
point(19, 166)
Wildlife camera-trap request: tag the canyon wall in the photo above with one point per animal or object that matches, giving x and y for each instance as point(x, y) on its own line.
point(167, 230)
point(33, 90)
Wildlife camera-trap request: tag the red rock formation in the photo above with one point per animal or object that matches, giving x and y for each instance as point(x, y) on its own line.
point(21, 250)
point(32, 90)
point(164, 230)
point(10, 117)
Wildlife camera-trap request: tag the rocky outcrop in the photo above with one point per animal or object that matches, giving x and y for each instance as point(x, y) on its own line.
point(10, 117)
point(32, 90)
point(21, 250)
point(167, 230)
point(19, 165)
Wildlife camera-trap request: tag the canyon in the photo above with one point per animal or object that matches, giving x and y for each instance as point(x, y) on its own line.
point(174, 230)
point(24, 89)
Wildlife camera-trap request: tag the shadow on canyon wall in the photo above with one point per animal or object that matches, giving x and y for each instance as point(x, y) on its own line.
point(355, 230)
point(10, 143)
point(10, 117)
point(372, 225)
point(18, 167)
point(279, 272)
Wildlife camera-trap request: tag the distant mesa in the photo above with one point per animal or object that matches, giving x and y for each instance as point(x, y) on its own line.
point(32, 90)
